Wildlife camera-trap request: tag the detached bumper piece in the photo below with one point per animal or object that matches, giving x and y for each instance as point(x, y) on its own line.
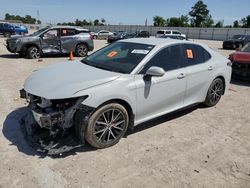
point(50, 142)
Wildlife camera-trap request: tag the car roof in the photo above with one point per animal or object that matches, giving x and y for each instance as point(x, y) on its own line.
point(154, 41)
point(69, 27)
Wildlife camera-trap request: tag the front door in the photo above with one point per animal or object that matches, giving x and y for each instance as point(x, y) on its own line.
point(159, 95)
point(50, 42)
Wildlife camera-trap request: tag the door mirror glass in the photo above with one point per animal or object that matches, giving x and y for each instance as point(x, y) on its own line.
point(155, 71)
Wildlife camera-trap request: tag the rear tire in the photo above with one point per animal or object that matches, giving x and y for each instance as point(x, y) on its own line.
point(33, 53)
point(81, 50)
point(214, 92)
point(106, 126)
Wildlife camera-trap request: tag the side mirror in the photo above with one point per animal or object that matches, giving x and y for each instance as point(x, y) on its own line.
point(155, 71)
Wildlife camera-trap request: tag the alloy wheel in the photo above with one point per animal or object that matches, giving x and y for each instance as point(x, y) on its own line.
point(109, 126)
point(216, 91)
point(34, 53)
point(82, 50)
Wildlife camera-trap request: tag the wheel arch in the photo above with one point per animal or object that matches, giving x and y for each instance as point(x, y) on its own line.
point(26, 46)
point(224, 81)
point(128, 108)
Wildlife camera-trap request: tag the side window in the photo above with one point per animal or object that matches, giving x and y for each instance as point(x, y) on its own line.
point(169, 58)
point(68, 32)
point(53, 33)
point(195, 54)
point(176, 33)
point(168, 32)
point(1, 25)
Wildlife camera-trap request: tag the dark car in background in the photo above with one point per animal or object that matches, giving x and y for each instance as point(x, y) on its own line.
point(241, 63)
point(7, 29)
point(21, 29)
point(117, 36)
point(142, 34)
point(237, 41)
point(52, 40)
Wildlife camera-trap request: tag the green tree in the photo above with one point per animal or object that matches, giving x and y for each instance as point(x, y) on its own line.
point(103, 21)
point(199, 14)
point(96, 22)
point(208, 22)
point(184, 21)
point(159, 21)
point(173, 22)
point(246, 22)
point(219, 24)
point(236, 24)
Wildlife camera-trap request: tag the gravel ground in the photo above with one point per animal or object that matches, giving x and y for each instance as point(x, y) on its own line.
point(199, 147)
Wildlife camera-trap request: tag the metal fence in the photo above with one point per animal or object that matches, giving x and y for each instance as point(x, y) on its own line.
point(193, 33)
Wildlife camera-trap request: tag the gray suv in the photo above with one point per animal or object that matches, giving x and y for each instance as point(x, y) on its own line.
point(52, 40)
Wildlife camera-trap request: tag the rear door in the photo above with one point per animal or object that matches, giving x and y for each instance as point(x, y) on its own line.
point(159, 95)
point(199, 73)
point(50, 42)
point(67, 40)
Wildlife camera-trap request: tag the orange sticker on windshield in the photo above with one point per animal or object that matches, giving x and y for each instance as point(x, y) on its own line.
point(112, 54)
point(190, 54)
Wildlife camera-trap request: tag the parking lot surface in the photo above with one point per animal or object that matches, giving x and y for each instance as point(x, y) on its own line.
point(198, 147)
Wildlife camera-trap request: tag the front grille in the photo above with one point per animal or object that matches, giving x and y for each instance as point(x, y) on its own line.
point(241, 69)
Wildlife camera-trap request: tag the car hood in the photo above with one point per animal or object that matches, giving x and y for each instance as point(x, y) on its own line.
point(64, 80)
point(240, 57)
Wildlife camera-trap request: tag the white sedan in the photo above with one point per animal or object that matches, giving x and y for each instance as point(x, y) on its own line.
point(124, 84)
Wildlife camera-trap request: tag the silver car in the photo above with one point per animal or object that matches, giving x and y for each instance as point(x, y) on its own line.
point(53, 40)
point(122, 85)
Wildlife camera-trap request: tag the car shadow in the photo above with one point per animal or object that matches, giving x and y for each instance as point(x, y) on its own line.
point(163, 119)
point(13, 132)
point(10, 56)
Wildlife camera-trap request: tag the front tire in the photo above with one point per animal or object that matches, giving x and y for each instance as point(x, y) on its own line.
point(215, 92)
point(106, 126)
point(33, 53)
point(7, 34)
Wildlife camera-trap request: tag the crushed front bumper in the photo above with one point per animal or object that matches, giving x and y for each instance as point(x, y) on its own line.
point(42, 140)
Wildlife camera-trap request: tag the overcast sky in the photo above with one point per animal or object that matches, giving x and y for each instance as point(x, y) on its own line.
point(121, 12)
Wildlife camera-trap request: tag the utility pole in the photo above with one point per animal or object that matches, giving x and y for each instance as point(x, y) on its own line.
point(37, 16)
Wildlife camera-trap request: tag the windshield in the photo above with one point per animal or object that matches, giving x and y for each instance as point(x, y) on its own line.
point(39, 31)
point(238, 37)
point(246, 48)
point(119, 57)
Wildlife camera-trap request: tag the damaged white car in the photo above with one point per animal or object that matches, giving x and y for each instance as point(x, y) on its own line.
point(118, 87)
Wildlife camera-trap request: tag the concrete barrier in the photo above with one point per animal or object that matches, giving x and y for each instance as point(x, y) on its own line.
point(191, 32)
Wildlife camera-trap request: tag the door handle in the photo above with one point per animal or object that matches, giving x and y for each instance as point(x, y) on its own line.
point(181, 76)
point(210, 68)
